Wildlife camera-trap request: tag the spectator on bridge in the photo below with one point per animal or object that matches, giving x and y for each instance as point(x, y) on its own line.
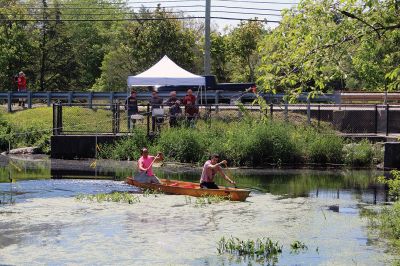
point(189, 98)
point(191, 110)
point(174, 109)
point(131, 105)
point(21, 82)
point(157, 117)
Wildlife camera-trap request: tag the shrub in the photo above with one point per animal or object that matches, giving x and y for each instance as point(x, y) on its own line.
point(325, 148)
point(359, 154)
point(183, 144)
point(126, 148)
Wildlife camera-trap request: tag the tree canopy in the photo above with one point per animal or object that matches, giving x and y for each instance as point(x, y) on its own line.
point(319, 45)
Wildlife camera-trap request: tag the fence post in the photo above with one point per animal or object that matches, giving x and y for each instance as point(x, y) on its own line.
point(148, 119)
point(70, 98)
point(319, 114)
point(376, 119)
point(387, 119)
point(286, 111)
point(271, 109)
point(59, 119)
point(216, 101)
point(111, 97)
point(49, 98)
point(113, 118)
point(308, 111)
point(55, 122)
point(90, 100)
point(29, 99)
point(9, 102)
point(118, 116)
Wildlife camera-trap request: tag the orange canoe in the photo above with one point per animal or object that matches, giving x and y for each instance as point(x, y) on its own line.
point(191, 189)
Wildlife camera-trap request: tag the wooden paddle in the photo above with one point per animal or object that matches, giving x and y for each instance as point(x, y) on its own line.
point(230, 174)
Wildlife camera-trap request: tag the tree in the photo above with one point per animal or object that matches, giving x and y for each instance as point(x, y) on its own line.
point(140, 44)
point(17, 51)
point(242, 43)
point(318, 43)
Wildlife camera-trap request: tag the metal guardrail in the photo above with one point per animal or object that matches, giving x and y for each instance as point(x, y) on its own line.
point(111, 97)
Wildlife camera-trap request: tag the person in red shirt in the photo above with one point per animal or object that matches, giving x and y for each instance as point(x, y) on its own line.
point(21, 81)
point(189, 98)
point(191, 110)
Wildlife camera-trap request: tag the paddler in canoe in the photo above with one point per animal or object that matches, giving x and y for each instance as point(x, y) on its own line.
point(210, 169)
point(145, 167)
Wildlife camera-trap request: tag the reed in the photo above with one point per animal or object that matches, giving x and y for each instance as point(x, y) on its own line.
point(262, 250)
point(123, 197)
point(298, 246)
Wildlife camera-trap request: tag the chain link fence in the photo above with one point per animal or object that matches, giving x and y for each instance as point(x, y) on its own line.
point(115, 119)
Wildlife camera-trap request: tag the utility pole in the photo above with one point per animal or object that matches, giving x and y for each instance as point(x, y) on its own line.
point(207, 44)
point(43, 47)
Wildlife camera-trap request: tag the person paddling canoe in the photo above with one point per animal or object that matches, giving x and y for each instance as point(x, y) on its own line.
point(145, 166)
point(210, 169)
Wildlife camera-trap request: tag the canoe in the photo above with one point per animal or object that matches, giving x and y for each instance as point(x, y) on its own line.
point(191, 189)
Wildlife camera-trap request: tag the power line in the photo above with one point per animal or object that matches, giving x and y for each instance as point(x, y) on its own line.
point(177, 1)
point(139, 19)
point(149, 7)
point(133, 13)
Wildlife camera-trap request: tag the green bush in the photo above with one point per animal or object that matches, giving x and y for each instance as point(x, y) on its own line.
point(325, 148)
point(389, 223)
point(126, 148)
point(359, 154)
point(183, 144)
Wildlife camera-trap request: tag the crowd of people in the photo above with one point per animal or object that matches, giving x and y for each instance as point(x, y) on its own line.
point(191, 111)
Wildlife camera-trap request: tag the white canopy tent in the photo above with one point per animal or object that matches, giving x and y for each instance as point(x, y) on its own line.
point(166, 73)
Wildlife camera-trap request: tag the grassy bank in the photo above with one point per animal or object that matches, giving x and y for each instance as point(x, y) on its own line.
point(33, 127)
point(250, 143)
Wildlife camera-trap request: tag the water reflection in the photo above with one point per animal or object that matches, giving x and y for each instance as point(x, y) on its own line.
point(340, 184)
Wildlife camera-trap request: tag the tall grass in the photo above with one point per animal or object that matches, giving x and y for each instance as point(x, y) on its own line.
point(126, 148)
point(248, 143)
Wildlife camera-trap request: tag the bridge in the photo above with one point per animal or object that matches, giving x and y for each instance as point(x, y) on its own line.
point(70, 97)
point(203, 97)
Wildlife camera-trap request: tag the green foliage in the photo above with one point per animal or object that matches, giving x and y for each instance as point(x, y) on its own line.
point(242, 43)
point(137, 46)
point(359, 154)
point(206, 200)
point(297, 246)
point(31, 127)
point(183, 144)
point(127, 148)
point(321, 45)
point(393, 182)
point(123, 197)
point(262, 250)
point(325, 149)
point(389, 223)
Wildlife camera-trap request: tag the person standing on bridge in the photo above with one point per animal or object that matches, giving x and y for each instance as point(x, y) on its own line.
point(21, 82)
point(131, 105)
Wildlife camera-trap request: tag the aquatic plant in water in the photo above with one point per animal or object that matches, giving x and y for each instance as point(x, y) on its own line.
point(263, 250)
point(206, 200)
point(298, 246)
point(124, 197)
point(151, 192)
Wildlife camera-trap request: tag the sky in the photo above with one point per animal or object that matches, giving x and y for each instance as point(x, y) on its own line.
point(239, 9)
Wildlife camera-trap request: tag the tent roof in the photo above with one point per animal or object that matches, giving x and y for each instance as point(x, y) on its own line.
point(165, 73)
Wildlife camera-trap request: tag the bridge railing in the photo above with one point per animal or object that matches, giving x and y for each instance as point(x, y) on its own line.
point(90, 98)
